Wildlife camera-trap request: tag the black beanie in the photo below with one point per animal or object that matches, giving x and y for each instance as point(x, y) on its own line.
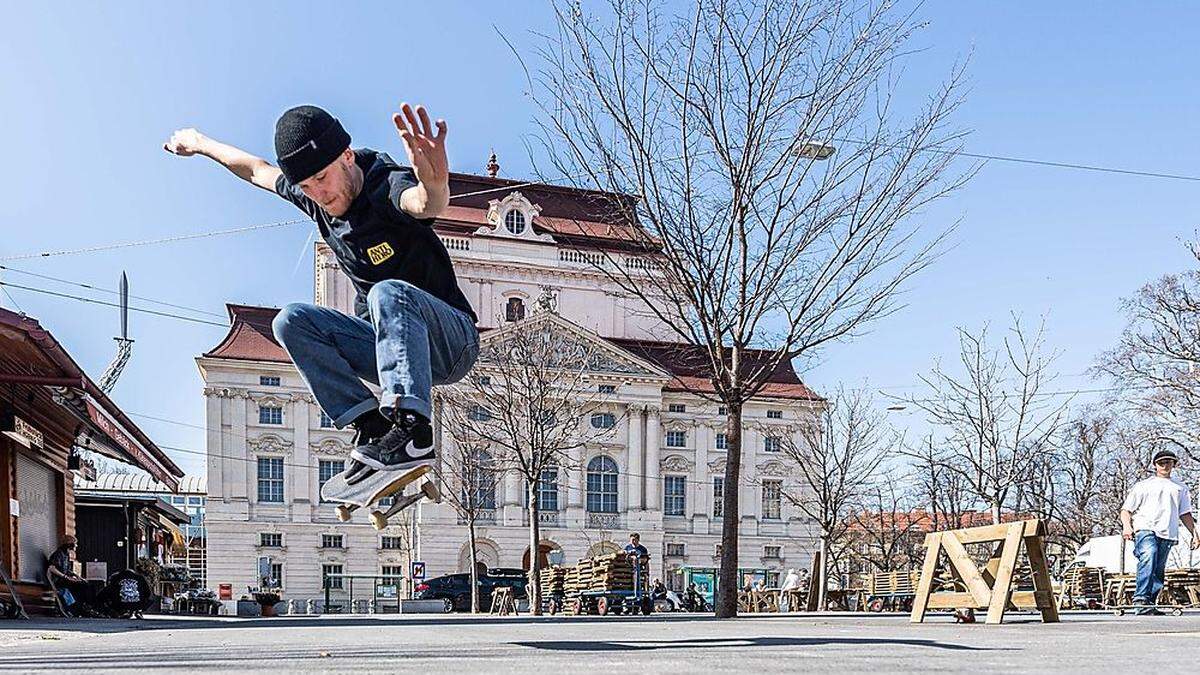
point(307, 139)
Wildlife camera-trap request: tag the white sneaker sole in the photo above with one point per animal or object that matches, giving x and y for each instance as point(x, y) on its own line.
point(379, 466)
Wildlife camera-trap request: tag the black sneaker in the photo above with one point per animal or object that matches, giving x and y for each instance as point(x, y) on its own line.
point(407, 444)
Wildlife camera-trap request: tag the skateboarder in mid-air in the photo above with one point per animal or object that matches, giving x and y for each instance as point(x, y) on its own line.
point(414, 328)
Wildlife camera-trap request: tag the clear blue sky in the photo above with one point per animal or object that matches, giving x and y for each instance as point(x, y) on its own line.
point(90, 91)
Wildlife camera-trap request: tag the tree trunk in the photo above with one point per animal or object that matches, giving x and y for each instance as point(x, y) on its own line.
point(821, 574)
point(474, 564)
point(535, 538)
point(727, 581)
point(995, 513)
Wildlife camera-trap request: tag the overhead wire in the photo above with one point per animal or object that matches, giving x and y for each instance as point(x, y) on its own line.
point(101, 289)
point(95, 301)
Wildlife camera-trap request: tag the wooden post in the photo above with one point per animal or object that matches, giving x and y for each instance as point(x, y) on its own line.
point(992, 587)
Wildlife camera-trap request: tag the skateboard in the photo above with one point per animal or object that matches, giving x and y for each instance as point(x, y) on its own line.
point(375, 488)
point(1120, 610)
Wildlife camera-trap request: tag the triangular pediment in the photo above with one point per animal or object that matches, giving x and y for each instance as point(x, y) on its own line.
point(573, 344)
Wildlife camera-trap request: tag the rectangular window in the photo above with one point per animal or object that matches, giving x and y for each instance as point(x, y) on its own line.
point(718, 496)
point(676, 439)
point(478, 413)
point(270, 539)
point(268, 380)
point(547, 490)
point(327, 571)
point(772, 443)
point(391, 543)
point(270, 480)
point(718, 551)
point(483, 380)
point(331, 541)
point(276, 575)
point(771, 499)
point(676, 407)
point(675, 550)
point(270, 414)
point(774, 414)
point(722, 441)
point(326, 421)
point(607, 389)
point(392, 574)
point(674, 495)
point(771, 552)
point(722, 410)
point(326, 469)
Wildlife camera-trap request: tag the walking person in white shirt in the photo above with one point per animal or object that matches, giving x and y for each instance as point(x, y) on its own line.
point(790, 582)
point(1150, 518)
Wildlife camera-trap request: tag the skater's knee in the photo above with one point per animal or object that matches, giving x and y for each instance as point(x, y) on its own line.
point(286, 322)
point(389, 290)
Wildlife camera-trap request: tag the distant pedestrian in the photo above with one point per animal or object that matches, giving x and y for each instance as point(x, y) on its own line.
point(791, 582)
point(1150, 518)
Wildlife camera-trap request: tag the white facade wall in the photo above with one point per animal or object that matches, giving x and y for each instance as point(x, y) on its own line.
point(492, 269)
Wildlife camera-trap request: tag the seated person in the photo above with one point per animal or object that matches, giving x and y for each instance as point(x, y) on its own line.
point(72, 588)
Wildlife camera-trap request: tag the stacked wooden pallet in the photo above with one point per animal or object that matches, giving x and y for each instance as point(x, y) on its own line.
point(1183, 586)
point(1083, 583)
point(572, 581)
point(553, 580)
point(611, 572)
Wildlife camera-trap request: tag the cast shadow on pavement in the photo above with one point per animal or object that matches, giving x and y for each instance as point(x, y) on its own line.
point(734, 642)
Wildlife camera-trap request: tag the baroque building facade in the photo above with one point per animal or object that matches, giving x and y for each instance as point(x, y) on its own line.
point(656, 466)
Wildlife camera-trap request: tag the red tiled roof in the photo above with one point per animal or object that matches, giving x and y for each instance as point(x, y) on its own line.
point(573, 216)
point(250, 337)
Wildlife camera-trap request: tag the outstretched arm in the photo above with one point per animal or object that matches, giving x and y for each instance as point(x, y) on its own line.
point(427, 156)
point(250, 168)
point(1189, 521)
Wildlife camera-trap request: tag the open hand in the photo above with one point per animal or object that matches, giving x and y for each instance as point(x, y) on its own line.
point(426, 151)
point(185, 142)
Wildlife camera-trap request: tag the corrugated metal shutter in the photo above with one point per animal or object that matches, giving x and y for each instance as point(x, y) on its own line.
point(38, 523)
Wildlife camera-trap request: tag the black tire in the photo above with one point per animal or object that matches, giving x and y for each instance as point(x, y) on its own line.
point(647, 606)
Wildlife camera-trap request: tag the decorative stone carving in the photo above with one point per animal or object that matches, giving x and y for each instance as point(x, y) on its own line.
point(270, 400)
point(226, 392)
point(333, 447)
point(302, 397)
point(497, 213)
point(571, 349)
point(772, 468)
point(269, 444)
point(676, 464)
point(653, 409)
point(717, 466)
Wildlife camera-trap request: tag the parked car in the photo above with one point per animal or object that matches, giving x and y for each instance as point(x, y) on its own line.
point(457, 588)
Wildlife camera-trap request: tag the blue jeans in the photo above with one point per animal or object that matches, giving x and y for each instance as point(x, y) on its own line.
point(1151, 551)
point(412, 342)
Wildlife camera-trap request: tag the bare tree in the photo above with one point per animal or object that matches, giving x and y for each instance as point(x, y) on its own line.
point(708, 136)
point(1157, 360)
point(835, 463)
point(938, 488)
point(467, 477)
point(996, 417)
point(889, 532)
point(529, 402)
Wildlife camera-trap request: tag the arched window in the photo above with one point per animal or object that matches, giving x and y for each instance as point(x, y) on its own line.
point(514, 309)
point(479, 476)
point(602, 485)
point(514, 222)
point(604, 420)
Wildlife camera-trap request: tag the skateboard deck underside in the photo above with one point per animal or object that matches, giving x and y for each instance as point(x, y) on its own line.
point(377, 486)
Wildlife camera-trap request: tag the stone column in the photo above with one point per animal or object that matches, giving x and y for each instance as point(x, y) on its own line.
point(513, 503)
point(635, 482)
point(699, 505)
point(574, 476)
point(653, 441)
point(750, 492)
point(214, 441)
point(303, 481)
point(242, 472)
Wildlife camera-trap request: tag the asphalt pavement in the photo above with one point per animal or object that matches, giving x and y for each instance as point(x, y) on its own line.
point(1084, 642)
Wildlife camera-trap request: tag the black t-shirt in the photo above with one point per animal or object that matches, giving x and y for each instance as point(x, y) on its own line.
point(376, 240)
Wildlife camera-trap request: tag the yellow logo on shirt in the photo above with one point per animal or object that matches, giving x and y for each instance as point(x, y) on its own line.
point(380, 253)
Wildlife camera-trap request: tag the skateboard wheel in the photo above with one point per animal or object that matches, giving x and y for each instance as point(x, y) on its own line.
point(1177, 612)
point(378, 520)
point(1119, 612)
point(344, 513)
